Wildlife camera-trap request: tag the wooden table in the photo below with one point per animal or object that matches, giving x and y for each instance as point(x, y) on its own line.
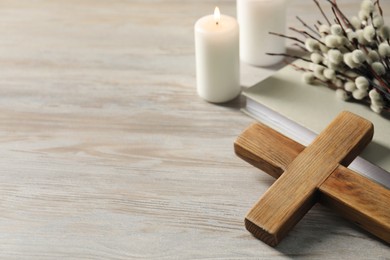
point(108, 153)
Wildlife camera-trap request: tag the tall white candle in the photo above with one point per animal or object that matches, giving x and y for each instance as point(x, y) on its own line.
point(217, 58)
point(256, 19)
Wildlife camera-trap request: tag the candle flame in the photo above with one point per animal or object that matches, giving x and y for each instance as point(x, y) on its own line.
point(217, 15)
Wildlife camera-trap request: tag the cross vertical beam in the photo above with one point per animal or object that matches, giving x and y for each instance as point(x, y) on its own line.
point(290, 197)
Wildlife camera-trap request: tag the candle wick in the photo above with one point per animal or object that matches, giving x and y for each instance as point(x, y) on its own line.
point(216, 22)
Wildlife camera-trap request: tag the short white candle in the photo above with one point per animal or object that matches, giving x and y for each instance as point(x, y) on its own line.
point(256, 19)
point(217, 58)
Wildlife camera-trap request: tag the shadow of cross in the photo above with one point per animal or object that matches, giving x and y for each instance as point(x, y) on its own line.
point(314, 173)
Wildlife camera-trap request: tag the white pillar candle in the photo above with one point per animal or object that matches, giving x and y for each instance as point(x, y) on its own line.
point(256, 19)
point(217, 58)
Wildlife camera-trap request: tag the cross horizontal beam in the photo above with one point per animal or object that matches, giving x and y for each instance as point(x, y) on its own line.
point(357, 198)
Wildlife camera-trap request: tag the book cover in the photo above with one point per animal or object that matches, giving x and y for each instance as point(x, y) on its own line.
point(300, 111)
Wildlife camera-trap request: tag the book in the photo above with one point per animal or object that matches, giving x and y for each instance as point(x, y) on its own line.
point(300, 111)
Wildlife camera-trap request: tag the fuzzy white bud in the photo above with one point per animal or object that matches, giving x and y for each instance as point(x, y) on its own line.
point(367, 6)
point(359, 94)
point(318, 72)
point(334, 66)
point(329, 74)
point(343, 69)
point(316, 58)
point(363, 15)
point(384, 49)
point(351, 74)
point(324, 29)
point(378, 103)
point(360, 37)
point(369, 33)
point(336, 29)
point(348, 60)
point(343, 41)
point(333, 41)
point(374, 95)
point(362, 83)
point(376, 98)
point(376, 82)
point(350, 86)
point(337, 82)
point(385, 32)
point(372, 57)
point(358, 57)
point(335, 56)
point(311, 45)
point(308, 77)
point(377, 109)
point(378, 21)
point(326, 60)
point(352, 36)
point(342, 94)
point(378, 68)
point(324, 48)
point(356, 23)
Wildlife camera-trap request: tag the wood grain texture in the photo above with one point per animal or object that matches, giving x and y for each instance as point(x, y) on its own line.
point(357, 198)
point(364, 202)
point(295, 191)
point(107, 152)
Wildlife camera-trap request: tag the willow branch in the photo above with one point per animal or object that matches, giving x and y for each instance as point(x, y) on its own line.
point(322, 11)
point(288, 37)
point(342, 15)
point(301, 47)
point(306, 34)
point(379, 7)
point(288, 55)
point(307, 26)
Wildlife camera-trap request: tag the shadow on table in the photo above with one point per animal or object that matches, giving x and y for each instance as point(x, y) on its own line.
point(236, 104)
point(239, 102)
point(312, 234)
point(376, 153)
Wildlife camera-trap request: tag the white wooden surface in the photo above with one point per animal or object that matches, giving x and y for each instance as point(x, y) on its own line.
point(107, 152)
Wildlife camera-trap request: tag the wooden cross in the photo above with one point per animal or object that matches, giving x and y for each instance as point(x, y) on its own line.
point(314, 173)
